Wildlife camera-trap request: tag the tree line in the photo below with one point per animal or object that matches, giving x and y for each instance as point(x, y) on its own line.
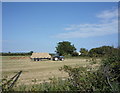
point(66, 48)
point(16, 54)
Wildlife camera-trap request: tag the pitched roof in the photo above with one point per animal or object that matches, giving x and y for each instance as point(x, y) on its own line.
point(40, 55)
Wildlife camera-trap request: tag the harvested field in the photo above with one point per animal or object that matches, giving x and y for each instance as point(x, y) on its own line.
point(19, 57)
point(39, 70)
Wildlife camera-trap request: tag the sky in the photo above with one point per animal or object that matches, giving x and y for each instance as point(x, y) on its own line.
point(39, 26)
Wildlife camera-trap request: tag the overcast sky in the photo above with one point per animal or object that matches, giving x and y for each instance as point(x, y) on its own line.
point(40, 26)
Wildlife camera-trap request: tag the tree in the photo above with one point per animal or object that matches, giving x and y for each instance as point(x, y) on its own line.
point(102, 51)
point(31, 52)
point(84, 52)
point(65, 48)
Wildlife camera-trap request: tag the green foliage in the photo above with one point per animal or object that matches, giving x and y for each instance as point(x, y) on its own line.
point(17, 54)
point(75, 54)
point(65, 48)
point(82, 80)
point(84, 52)
point(102, 51)
point(111, 69)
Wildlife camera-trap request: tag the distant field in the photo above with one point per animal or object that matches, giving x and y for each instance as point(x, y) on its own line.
point(39, 70)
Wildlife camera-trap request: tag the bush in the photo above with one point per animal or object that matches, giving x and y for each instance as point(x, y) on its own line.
point(75, 54)
point(82, 80)
point(111, 69)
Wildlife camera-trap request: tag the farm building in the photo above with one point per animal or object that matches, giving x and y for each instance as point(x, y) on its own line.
point(40, 56)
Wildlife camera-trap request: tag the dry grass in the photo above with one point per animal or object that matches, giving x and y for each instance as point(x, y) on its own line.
point(39, 70)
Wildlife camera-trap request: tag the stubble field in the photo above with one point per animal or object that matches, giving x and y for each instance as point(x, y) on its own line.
point(37, 70)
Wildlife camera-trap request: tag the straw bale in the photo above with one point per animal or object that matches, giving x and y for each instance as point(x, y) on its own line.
point(40, 55)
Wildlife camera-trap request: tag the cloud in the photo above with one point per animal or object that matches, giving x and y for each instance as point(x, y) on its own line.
point(108, 14)
point(108, 25)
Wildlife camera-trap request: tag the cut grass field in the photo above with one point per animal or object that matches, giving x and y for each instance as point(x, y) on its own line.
point(37, 70)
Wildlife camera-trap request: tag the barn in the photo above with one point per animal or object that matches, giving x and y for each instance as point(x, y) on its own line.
point(40, 56)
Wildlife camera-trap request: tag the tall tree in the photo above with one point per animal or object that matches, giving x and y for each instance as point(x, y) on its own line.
point(65, 48)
